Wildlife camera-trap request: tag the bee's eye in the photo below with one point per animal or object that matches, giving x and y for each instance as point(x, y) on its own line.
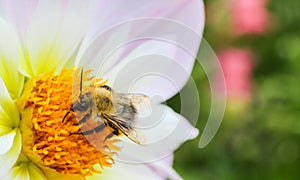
point(80, 106)
point(84, 105)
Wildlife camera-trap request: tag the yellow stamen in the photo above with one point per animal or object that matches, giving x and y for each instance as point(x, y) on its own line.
point(49, 99)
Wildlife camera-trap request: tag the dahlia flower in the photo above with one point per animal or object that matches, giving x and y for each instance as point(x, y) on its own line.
point(44, 43)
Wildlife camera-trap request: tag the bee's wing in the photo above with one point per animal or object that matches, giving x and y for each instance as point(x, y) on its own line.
point(128, 107)
point(140, 102)
point(125, 127)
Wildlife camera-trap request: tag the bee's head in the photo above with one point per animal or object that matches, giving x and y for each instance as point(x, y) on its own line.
point(104, 99)
point(83, 103)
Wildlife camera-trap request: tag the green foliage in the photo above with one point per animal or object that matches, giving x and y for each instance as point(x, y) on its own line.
point(260, 141)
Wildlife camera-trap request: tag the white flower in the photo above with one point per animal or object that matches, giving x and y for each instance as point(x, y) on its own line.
point(39, 37)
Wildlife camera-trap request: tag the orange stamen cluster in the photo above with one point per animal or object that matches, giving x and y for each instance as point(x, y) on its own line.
point(59, 149)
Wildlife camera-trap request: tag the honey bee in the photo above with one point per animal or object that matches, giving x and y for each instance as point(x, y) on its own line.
point(110, 109)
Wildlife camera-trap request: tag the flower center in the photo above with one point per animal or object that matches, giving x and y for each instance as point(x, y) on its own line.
point(58, 142)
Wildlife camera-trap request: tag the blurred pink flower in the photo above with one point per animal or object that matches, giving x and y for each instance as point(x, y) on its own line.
point(249, 16)
point(237, 65)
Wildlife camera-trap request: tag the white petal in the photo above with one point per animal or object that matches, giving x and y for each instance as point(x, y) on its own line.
point(179, 39)
point(127, 172)
point(9, 114)
point(8, 160)
point(151, 69)
point(6, 141)
point(10, 55)
point(164, 169)
point(164, 132)
point(54, 35)
point(107, 14)
point(155, 170)
point(95, 53)
point(18, 13)
point(169, 159)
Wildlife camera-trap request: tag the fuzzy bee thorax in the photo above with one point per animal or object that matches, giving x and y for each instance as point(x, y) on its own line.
point(103, 100)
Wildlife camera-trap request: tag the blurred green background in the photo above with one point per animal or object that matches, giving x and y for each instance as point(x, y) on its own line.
point(258, 138)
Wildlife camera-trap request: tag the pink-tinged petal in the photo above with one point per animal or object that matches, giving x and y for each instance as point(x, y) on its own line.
point(154, 170)
point(161, 60)
point(10, 55)
point(164, 168)
point(163, 29)
point(94, 56)
point(18, 13)
point(8, 160)
point(128, 171)
point(169, 160)
point(54, 34)
point(151, 69)
point(163, 131)
point(109, 13)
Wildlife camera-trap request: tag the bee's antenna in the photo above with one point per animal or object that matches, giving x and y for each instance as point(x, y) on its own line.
point(80, 95)
point(81, 74)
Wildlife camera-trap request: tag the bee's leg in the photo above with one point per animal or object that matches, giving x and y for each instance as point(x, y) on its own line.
point(114, 132)
point(65, 116)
